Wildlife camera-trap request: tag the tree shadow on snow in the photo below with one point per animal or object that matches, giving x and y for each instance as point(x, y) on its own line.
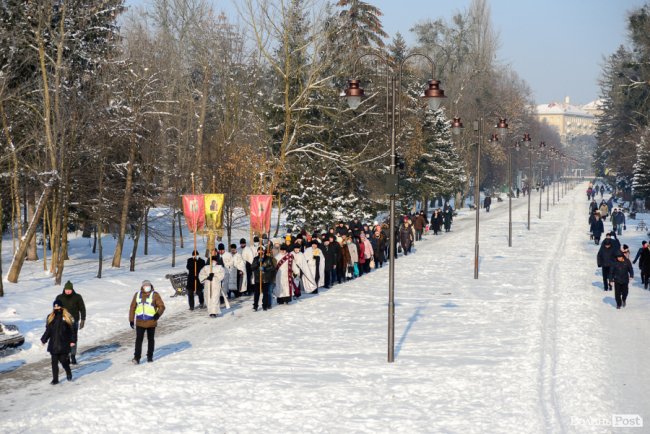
point(91, 368)
point(99, 350)
point(609, 300)
point(11, 366)
point(171, 349)
point(416, 315)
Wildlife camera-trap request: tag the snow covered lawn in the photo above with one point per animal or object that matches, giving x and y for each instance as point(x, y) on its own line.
point(534, 345)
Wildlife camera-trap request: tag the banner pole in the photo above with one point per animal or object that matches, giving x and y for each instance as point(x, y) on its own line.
point(195, 228)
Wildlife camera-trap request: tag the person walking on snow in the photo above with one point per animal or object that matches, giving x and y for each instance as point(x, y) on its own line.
point(74, 304)
point(146, 308)
point(597, 228)
point(486, 203)
point(60, 337)
point(643, 255)
point(605, 260)
point(212, 276)
point(618, 221)
point(620, 275)
point(194, 266)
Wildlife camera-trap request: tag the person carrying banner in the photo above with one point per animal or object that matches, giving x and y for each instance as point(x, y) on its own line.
point(264, 271)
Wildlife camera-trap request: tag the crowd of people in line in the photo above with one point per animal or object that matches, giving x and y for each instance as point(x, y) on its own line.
point(282, 268)
point(613, 258)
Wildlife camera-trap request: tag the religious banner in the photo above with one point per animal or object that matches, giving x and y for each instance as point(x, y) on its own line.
point(194, 211)
point(261, 213)
point(214, 211)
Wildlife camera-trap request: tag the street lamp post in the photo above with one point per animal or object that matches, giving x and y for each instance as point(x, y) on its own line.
point(542, 147)
point(478, 127)
point(354, 95)
point(526, 141)
point(502, 127)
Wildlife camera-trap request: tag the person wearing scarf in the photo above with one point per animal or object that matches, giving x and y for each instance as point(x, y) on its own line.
point(285, 286)
point(60, 334)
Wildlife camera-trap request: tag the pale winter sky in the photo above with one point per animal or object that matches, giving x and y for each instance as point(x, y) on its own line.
point(556, 46)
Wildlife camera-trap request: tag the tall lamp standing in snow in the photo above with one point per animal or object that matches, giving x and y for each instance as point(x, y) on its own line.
point(542, 148)
point(526, 141)
point(502, 128)
point(354, 95)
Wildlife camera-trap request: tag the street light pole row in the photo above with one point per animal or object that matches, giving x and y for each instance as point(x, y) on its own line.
point(354, 95)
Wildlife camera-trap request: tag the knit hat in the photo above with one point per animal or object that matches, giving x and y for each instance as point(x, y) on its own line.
point(618, 254)
point(68, 285)
point(146, 283)
point(57, 302)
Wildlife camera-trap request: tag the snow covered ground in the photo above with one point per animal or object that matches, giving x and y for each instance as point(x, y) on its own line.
point(534, 345)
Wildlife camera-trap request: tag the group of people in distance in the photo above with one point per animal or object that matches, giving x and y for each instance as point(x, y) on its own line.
point(285, 268)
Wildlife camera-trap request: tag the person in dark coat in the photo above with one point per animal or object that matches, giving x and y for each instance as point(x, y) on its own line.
point(378, 242)
point(486, 203)
point(615, 242)
point(264, 263)
point(355, 227)
point(194, 266)
point(329, 253)
point(60, 338)
point(620, 274)
point(597, 228)
point(74, 304)
point(406, 237)
point(448, 217)
point(605, 260)
point(593, 206)
point(644, 265)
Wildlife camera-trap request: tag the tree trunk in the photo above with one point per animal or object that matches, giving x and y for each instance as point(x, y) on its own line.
point(117, 256)
point(100, 255)
point(63, 247)
point(180, 229)
point(146, 233)
point(32, 248)
point(426, 206)
point(95, 240)
point(136, 239)
point(45, 239)
point(173, 237)
point(19, 255)
point(277, 226)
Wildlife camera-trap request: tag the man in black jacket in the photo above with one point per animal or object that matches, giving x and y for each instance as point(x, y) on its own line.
point(329, 252)
point(263, 264)
point(620, 274)
point(194, 266)
point(605, 260)
point(74, 304)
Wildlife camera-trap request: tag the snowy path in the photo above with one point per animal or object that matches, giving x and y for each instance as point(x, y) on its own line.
point(534, 345)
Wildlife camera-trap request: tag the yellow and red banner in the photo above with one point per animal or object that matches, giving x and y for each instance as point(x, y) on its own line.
point(261, 206)
point(214, 211)
point(194, 211)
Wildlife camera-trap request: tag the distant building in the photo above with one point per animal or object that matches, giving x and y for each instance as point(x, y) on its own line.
point(570, 121)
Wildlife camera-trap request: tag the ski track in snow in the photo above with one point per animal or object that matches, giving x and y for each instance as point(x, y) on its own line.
point(524, 349)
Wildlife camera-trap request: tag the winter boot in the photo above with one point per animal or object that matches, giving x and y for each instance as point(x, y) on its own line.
point(149, 359)
point(73, 360)
point(135, 361)
point(623, 303)
point(53, 382)
point(69, 376)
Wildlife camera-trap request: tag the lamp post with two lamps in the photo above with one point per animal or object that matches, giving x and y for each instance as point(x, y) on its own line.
point(354, 95)
point(527, 142)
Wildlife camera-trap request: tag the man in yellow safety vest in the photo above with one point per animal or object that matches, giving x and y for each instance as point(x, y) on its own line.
point(146, 307)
